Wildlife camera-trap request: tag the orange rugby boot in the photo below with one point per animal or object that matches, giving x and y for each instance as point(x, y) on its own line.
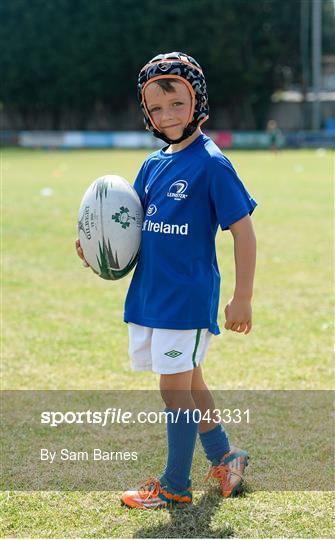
point(152, 494)
point(230, 471)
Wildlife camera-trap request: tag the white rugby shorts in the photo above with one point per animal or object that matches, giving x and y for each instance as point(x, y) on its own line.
point(166, 351)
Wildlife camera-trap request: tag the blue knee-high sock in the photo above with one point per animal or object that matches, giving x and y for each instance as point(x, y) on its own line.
point(181, 437)
point(215, 443)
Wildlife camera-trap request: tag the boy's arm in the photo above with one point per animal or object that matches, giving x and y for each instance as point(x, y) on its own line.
point(238, 310)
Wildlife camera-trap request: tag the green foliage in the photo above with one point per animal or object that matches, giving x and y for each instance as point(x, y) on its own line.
point(72, 55)
point(328, 22)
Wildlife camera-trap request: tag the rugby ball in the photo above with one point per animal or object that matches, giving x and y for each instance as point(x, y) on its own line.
point(109, 226)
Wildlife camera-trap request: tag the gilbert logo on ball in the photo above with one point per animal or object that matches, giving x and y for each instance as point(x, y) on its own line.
point(109, 226)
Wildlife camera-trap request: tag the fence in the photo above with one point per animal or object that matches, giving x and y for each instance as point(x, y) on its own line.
point(138, 139)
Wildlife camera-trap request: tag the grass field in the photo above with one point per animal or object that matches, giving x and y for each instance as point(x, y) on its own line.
point(63, 329)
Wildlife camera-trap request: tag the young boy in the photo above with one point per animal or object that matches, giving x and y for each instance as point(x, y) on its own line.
point(187, 189)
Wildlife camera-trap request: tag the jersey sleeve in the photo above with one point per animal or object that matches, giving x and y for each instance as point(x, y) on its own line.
point(229, 197)
point(139, 183)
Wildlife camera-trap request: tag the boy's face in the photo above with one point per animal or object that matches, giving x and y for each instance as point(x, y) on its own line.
point(170, 111)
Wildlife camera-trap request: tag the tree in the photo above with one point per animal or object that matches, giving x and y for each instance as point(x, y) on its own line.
point(68, 55)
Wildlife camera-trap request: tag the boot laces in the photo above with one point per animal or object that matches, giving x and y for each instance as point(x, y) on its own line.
point(221, 472)
point(150, 487)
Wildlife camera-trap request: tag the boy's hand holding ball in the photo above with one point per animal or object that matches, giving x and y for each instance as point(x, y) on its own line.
point(80, 253)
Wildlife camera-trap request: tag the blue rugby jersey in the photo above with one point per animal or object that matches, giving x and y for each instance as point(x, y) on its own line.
point(185, 196)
